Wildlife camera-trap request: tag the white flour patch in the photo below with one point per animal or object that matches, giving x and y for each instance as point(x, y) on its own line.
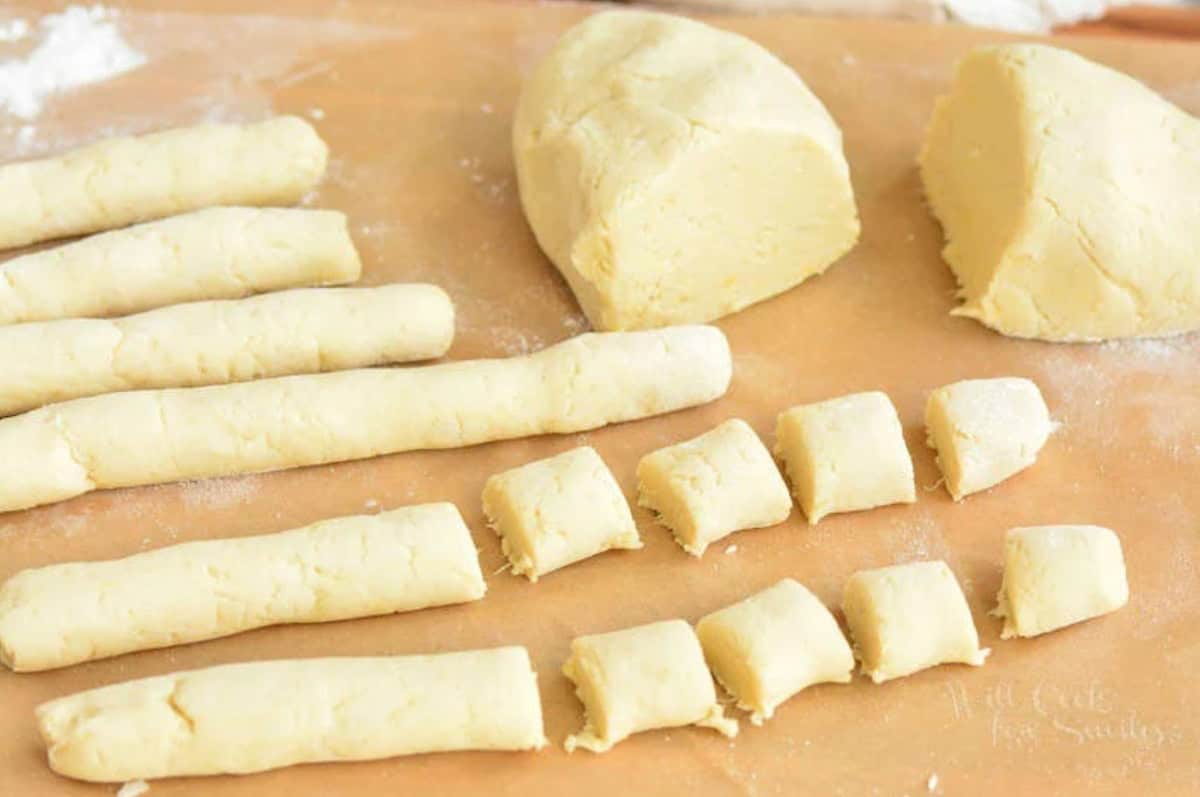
point(133, 788)
point(917, 538)
point(80, 46)
point(219, 493)
point(14, 30)
point(513, 341)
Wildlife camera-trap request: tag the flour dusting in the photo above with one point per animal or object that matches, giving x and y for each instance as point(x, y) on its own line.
point(219, 493)
point(78, 47)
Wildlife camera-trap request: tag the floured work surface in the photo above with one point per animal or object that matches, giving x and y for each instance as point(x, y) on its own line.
point(415, 103)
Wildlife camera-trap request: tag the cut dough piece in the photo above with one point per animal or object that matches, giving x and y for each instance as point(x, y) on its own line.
point(1055, 576)
point(240, 718)
point(207, 343)
point(708, 487)
point(641, 678)
point(986, 430)
point(621, 135)
point(558, 511)
point(120, 181)
point(406, 559)
point(906, 618)
point(218, 253)
point(154, 436)
point(1067, 194)
point(773, 644)
point(845, 454)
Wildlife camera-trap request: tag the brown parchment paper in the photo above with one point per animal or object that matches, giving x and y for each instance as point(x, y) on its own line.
point(415, 101)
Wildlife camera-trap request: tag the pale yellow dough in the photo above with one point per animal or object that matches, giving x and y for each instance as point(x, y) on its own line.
point(216, 253)
point(906, 618)
point(240, 718)
point(1067, 194)
point(207, 343)
point(153, 436)
point(1055, 576)
point(558, 511)
point(985, 430)
point(845, 454)
point(402, 560)
point(120, 181)
point(768, 647)
point(642, 678)
point(676, 173)
point(708, 487)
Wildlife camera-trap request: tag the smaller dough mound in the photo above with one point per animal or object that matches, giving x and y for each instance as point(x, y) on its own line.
point(1055, 576)
point(677, 173)
point(1068, 195)
point(986, 430)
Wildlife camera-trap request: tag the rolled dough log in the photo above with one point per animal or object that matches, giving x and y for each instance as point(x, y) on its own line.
point(398, 561)
point(153, 436)
point(676, 173)
point(906, 618)
point(207, 343)
point(775, 643)
point(986, 430)
point(638, 679)
point(558, 511)
point(120, 181)
point(845, 454)
point(1087, 180)
point(240, 718)
point(1055, 576)
point(708, 487)
point(217, 253)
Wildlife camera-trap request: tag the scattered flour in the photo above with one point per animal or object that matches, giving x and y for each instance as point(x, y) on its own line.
point(219, 493)
point(731, 549)
point(932, 784)
point(79, 46)
point(133, 788)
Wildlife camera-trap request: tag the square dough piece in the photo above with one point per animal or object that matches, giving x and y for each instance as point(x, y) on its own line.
point(708, 487)
point(557, 511)
point(637, 679)
point(985, 430)
point(845, 454)
point(1055, 576)
point(909, 617)
point(768, 647)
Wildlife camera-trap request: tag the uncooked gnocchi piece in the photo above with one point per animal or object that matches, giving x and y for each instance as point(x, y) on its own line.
point(768, 647)
point(558, 511)
point(985, 430)
point(845, 454)
point(708, 487)
point(1055, 576)
point(641, 678)
point(906, 618)
point(240, 718)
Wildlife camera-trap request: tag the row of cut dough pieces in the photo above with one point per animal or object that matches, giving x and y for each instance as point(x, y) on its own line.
point(843, 454)
point(767, 648)
point(763, 649)
point(52, 354)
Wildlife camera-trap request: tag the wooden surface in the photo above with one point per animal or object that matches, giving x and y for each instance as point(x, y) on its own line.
point(415, 101)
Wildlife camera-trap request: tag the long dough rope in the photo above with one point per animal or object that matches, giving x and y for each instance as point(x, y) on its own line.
point(153, 436)
point(240, 718)
point(407, 559)
point(209, 343)
point(120, 181)
point(216, 253)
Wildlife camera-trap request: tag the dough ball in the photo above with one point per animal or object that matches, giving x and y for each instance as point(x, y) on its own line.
point(985, 430)
point(1067, 193)
point(557, 511)
point(674, 172)
point(637, 679)
point(773, 644)
point(906, 618)
point(708, 487)
point(845, 454)
point(1058, 575)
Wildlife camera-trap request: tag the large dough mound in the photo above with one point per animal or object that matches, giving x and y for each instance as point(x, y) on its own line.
point(1070, 197)
point(677, 173)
